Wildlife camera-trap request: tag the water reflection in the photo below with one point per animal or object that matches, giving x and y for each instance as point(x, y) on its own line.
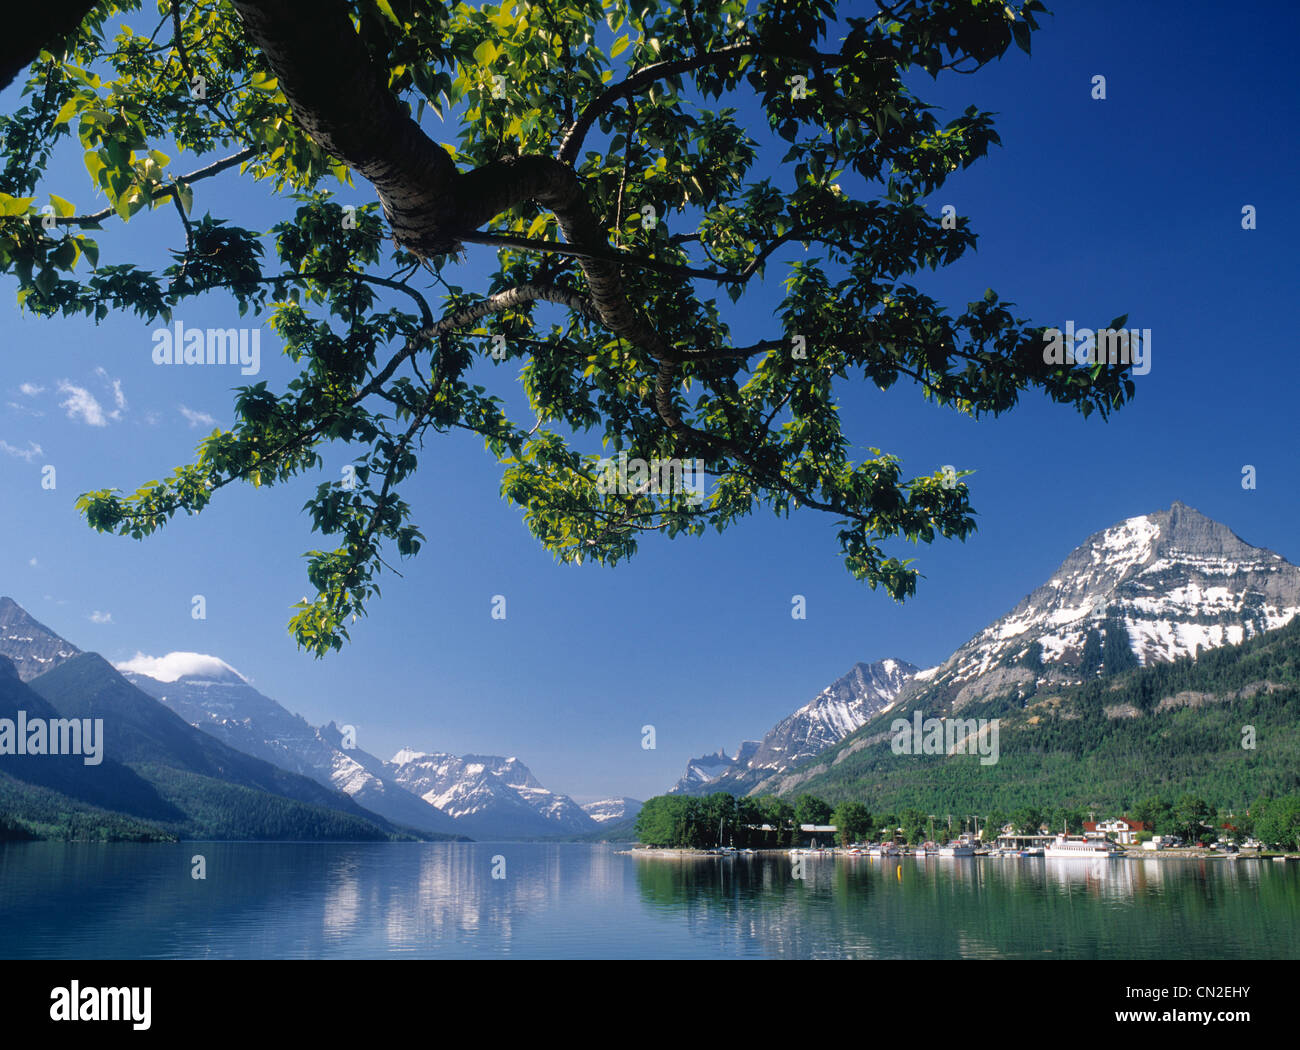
point(275, 900)
point(868, 907)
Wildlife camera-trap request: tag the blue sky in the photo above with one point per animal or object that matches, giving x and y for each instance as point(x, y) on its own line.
point(1089, 209)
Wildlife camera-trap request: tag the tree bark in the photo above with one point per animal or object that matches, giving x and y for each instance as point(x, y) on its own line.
point(30, 28)
point(342, 101)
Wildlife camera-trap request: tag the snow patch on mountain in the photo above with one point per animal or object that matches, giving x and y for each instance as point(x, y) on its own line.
point(230, 709)
point(1173, 583)
point(607, 810)
point(837, 711)
point(488, 794)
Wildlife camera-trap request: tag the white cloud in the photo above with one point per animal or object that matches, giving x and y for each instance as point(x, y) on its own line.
point(29, 453)
point(119, 398)
point(101, 617)
point(179, 665)
point(197, 419)
point(33, 563)
point(31, 389)
point(81, 405)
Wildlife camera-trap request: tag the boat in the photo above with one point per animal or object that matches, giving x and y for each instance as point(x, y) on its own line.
point(1065, 848)
point(884, 849)
point(957, 849)
point(1032, 851)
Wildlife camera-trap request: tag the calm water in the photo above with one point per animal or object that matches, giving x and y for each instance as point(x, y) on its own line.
point(573, 901)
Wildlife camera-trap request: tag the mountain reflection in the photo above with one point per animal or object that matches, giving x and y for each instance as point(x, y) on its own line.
point(570, 900)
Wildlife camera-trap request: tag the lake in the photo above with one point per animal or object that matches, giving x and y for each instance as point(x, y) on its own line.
point(416, 900)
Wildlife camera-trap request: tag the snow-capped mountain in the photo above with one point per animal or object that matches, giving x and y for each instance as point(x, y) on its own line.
point(838, 710)
point(1149, 589)
point(608, 810)
point(476, 795)
point(212, 695)
point(833, 714)
point(33, 647)
point(704, 770)
point(488, 795)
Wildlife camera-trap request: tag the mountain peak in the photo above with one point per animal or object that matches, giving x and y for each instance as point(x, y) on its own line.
point(1186, 529)
point(1153, 587)
point(33, 647)
point(190, 667)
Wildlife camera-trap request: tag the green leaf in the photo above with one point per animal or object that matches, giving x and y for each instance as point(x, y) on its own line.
point(95, 164)
point(620, 45)
point(63, 209)
point(66, 254)
point(68, 111)
point(14, 205)
point(485, 53)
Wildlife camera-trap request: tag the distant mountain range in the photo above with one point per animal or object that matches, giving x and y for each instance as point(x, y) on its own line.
point(482, 796)
point(838, 710)
point(155, 776)
point(218, 700)
point(612, 810)
point(1148, 590)
point(195, 750)
point(489, 795)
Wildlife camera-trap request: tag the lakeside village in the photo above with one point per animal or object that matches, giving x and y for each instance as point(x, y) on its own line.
point(674, 825)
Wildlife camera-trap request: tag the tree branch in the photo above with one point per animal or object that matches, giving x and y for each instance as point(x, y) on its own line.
point(215, 168)
point(647, 75)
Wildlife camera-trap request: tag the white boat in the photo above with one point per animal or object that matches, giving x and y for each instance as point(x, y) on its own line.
point(884, 849)
point(1066, 848)
point(957, 849)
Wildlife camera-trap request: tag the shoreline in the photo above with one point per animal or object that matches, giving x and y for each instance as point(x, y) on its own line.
point(1163, 855)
